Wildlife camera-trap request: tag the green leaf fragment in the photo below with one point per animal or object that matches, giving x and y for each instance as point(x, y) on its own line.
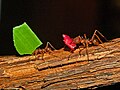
point(25, 40)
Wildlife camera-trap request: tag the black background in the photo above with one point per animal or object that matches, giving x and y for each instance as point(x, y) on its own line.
point(49, 19)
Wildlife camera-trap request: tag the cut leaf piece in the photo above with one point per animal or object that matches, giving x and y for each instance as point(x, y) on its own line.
point(25, 40)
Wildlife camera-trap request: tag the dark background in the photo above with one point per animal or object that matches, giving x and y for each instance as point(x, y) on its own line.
point(49, 19)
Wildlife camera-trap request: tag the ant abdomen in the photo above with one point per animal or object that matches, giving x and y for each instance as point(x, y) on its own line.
point(95, 42)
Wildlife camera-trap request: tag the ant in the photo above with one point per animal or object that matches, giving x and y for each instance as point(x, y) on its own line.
point(73, 42)
point(43, 51)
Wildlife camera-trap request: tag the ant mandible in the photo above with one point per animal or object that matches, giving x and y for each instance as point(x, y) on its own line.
point(73, 42)
point(45, 50)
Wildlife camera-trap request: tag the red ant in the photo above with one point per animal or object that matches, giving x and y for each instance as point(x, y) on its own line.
point(73, 42)
point(43, 51)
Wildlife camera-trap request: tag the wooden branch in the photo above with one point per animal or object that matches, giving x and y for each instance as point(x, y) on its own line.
point(57, 72)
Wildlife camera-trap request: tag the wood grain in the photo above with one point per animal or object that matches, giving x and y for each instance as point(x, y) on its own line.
point(56, 72)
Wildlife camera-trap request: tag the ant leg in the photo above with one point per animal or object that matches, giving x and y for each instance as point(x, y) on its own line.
point(100, 41)
point(96, 31)
point(49, 44)
point(71, 52)
point(86, 45)
point(87, 51)
point(49, 50)
point(101, 35)
point(80, 50)
point(42, 53)
point(95, 35)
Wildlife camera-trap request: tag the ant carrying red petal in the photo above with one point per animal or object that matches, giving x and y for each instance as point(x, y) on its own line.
point(82, 40)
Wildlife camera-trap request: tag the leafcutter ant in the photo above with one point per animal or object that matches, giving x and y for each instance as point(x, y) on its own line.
point(82, 40)
point(45, 50)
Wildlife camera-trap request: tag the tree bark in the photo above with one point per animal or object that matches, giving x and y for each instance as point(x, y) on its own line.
point(56, 72)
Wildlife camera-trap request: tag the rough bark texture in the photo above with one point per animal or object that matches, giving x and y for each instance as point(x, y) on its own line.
point(56, 72)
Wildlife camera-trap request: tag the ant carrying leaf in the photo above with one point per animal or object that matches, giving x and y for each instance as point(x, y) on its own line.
point(82, 40)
